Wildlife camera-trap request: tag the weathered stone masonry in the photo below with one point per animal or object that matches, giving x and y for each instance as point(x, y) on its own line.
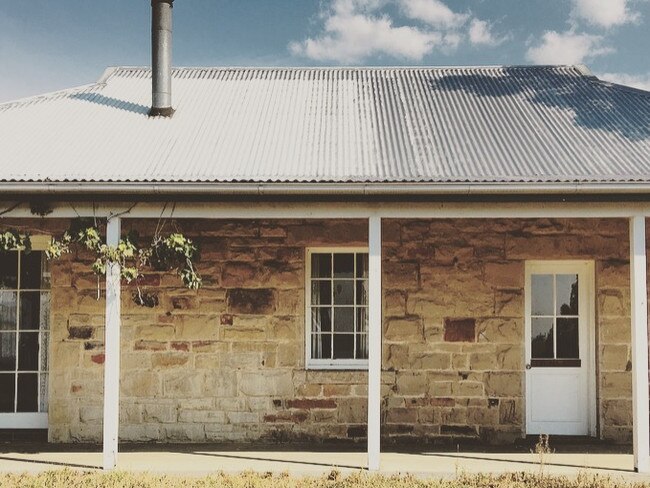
point(227, 363)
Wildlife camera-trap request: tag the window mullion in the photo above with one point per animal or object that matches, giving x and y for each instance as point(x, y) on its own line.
point(18, 299)
point(332, 304)
point(354, 308)
point(554, 316)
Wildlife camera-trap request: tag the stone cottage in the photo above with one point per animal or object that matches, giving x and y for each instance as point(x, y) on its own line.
point(387, 254)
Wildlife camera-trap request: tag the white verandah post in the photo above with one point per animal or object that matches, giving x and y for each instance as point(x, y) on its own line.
point(112, 351)
point(374, 343)
point(639, 305)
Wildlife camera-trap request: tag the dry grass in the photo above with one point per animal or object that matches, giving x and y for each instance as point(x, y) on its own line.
point(77, 479)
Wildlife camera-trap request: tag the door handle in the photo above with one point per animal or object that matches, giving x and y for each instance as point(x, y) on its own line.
point(528, 366)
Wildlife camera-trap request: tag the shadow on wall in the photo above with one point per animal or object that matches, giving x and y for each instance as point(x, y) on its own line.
point(112, 102)
point(595, 104)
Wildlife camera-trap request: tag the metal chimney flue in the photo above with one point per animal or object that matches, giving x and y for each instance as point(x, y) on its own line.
point(161, 58)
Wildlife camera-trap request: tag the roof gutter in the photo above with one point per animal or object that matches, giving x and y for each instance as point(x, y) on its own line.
point(310, 189)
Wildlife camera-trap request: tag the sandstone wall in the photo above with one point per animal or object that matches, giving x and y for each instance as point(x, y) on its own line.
point(227, 363)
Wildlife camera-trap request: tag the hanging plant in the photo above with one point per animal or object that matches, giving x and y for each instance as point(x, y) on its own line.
point(174, 252)
point(11, 240)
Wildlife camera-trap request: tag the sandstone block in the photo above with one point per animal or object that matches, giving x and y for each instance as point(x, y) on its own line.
point(617, 412)
point(198, 328)
point(401, 416)
point(615, 330)
point(183, 383)
point(502, 384)
point(404, 330)
point(412, 383)
point(505, 275)
point(140, 384)
point(65, 355)
point(433, 360)
point(251, 301)
point(237, 274)
point(614, 357)
point(613, 302)
point(266, 383)
point(202, 416)
point(184, 432)
point(401, 276)
point(460, 330)
point(159, 413)
point(169, 360)
point(616, 385)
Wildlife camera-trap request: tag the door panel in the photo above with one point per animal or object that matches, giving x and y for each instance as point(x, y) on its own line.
point(559, 324)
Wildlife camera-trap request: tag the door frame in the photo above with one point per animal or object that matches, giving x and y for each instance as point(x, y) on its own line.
point(588, 269)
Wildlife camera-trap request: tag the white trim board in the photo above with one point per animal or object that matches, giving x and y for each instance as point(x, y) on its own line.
point(337, 210)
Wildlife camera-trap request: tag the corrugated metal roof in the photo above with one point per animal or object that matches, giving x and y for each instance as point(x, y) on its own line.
point(478, 124)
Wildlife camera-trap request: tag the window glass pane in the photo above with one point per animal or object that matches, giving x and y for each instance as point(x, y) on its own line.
point(362, 265)
point(44, 348)
point(343, 319)
point(344, 292)
point(28, 351)
point(30, 310)
point(9, 270)
point(8, 304)
point(43, 385)
point(343, 265)
point(31, 270)
point(362, 346)
point(321, 319)
point(321, 292)
point(7, 387)
point(27, 392)
point(343, 346)
point(567, 338)
point(362, 292)
point(321, 346)
point(567, 294)
point(7, 351)
point(542, 294)
point(542, 338)
point(362, 319)
point(44, 316)
point(321, 265)
point(46, 274)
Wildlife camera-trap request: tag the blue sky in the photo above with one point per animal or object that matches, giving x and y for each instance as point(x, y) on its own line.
point(47, 45)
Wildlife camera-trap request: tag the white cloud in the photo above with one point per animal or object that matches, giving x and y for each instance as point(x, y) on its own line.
point(433, 12)
point(637, 81)
point(567, 48)
point(604, 13)
point(480, 33)
point(350, 38)
point(354, 30)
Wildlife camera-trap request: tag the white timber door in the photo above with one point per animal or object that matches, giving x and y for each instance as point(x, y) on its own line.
point(560, 371)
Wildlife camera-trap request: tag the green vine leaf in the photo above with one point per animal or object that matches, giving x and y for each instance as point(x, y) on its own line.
point(12, 240)
point(174, 252)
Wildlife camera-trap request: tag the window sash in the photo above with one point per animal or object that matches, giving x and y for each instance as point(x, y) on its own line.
point(42, 330)
point(355, 332)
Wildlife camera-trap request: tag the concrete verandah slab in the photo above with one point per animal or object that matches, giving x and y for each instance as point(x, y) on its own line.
point(205, 459)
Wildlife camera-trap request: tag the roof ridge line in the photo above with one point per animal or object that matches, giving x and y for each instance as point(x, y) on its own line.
point(580, 68)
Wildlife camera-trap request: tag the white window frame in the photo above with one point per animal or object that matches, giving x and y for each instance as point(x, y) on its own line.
point(32, 420)
point(325, 364)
